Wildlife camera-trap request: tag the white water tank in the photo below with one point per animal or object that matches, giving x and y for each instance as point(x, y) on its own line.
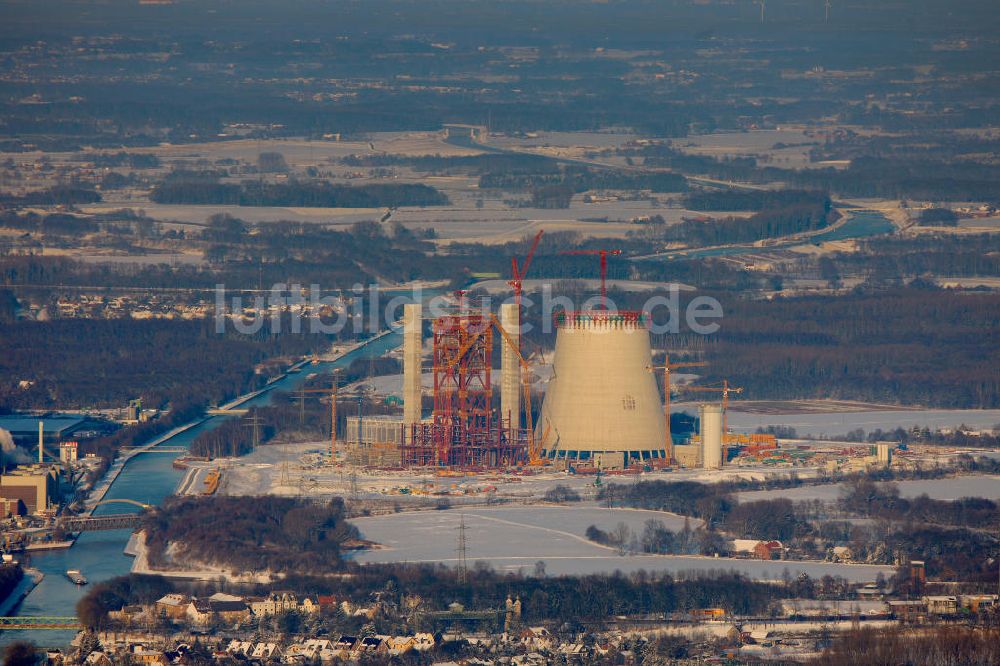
point(711, 435)
point(602, 397)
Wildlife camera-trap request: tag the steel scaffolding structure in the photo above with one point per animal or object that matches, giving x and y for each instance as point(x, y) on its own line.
point(464, 432)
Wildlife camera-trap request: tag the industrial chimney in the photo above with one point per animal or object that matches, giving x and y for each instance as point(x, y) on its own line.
point(412, 366)
point(510, 396)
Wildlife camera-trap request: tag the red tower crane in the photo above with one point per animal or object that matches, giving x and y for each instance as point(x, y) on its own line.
point(518, 274)
point(604, 270)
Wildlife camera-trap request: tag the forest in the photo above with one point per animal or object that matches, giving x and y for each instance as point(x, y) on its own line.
point(924, 179)
point(77, 363)
point(892, 345)
point(918, 528)
point(249, 534)
point(792, 218)
point(198, 189)
point(935, 646)
point(752, 200)
point(581, 179)
point(901, 346)
point(882, 500)
point(893, 259)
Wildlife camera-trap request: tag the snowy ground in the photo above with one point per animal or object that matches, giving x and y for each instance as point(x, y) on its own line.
point(974, 485)
point(515, 538)
point(840, 423)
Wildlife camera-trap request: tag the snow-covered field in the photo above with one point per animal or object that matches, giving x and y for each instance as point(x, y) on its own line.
point(515, 538)
point(842, 422)
point(975, 485)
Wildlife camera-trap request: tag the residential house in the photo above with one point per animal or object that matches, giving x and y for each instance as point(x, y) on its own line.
point(265, 651)
point(536, 638)
point(744, 547)
point(272, 604)
point(199, 611)
point(344, 648)
point(842, 554)
point(423, 642)
point(310, 605)
point(371, 645)
point(573, 652)
point(311, 649)
point(127, 613)
point(768, 550)
point(173, 606)
point(397, 645)
point(97, 658)
point(870, 591)
point(152, 657)
point(230, 612)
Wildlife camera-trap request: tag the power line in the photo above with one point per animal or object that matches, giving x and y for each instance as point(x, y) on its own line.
point(463, 566)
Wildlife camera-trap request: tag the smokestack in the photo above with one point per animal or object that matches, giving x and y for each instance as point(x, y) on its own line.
point(412, 366)
point(510, 396)
point(711, 436)
point(41, 439)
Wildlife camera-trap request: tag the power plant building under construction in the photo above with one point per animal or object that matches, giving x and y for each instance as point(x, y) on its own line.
point(602, 404)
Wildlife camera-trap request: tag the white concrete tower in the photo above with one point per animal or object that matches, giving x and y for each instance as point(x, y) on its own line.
point(41, 440)
point(602, 399)
point(510, 368)
point(711, 435)
point(412, 365)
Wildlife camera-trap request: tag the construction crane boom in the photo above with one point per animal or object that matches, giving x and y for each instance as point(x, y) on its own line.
point(518, 273)
point(725, 389)
point(604, 269)
point(667, 367)
point(534, 456)
point(332, 392)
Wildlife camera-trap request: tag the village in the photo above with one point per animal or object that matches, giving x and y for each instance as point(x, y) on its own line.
point(282, 627)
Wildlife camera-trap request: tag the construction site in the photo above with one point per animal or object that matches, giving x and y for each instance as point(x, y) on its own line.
point(602, 407)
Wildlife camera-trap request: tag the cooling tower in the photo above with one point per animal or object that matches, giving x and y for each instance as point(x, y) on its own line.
point(602, 398)
point(711, 435)
point(510, 370)
point(412, 367)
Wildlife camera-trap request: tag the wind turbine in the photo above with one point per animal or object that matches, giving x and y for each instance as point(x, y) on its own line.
point(761, 3)
point(827, 6)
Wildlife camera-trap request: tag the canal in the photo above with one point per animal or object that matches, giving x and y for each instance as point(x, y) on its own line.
point(148, 478)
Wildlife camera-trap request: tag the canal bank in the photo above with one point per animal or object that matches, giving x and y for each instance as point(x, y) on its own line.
point(148, 478)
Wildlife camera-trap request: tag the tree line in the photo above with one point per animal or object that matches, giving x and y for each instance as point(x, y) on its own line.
point(788, 219)
point(249, 534)
point(201, 191)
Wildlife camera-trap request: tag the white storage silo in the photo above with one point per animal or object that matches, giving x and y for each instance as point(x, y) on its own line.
point(602, 398)
point(711, 435)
